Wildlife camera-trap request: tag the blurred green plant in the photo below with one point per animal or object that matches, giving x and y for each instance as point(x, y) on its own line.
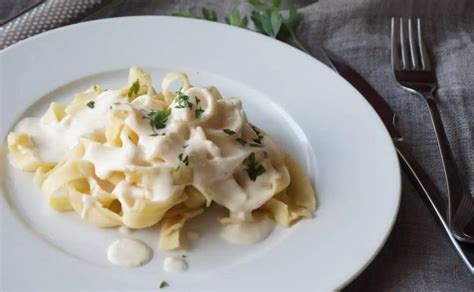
point(267, 18)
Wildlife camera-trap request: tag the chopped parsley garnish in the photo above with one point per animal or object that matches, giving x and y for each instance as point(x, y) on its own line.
point(91, 104)
point(241, 141)
point(183, 256)
point(163, 284)
point(134, 88)
point(182, 101)
point(95, 88)
point(184, 158)
point(199, 113)
point(156, 134)
point(254, 169)
point(259, 136)
point(115, 103)
point(229, 132)
point(256, 145)
point(158, 120)
point(255, 130)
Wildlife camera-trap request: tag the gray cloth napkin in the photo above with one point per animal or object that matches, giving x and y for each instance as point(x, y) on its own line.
point(417, 256)
point(38, 17)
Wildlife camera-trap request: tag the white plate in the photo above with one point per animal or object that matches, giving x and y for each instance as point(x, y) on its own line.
point(310, 110)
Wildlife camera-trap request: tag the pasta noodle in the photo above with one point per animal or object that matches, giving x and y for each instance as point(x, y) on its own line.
point(137, 157)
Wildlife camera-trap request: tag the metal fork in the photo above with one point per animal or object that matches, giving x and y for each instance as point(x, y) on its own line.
point(413, 72)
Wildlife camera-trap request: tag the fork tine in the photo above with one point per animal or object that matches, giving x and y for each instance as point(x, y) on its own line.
point(425, 62)
point(413, 48)
point(395, 46)
point(403, 48)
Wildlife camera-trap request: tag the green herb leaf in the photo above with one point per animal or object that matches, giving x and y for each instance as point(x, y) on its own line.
point(163, 284)
point(158, 120)
point(184, 158)
point(294, 18)
point(254, 169)
point(266, 17)
point(259, 137)
point(197, 100)
point(276, 3)
point(210, 15)
point(207, 14)
point(241, 141)
point(229, 132)
point(199, 113)
point(275, 20)
point(261, 5)
point(261, 21)
point(91, 104)
point(256, 145)
point(186, 13)
point(182, 101)
point(268, 20)
point(252, 158)
point(287, 32)
point(255, 129)
point(245, 22)
point(235, 20)
point(134, 88)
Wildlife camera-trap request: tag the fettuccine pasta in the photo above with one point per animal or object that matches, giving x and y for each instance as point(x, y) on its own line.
point(135, 157)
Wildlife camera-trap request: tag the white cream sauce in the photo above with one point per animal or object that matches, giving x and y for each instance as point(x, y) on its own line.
point(218, 160)
point(248, 232)
point(127, 252)
point(87, 203)
point(54, 139)
point(175, 265)
point(125, 230)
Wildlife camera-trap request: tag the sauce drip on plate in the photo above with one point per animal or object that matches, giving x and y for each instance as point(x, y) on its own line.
point(130, 253)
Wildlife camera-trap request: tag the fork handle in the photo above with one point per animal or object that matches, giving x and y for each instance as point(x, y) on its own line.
point(453, 181)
